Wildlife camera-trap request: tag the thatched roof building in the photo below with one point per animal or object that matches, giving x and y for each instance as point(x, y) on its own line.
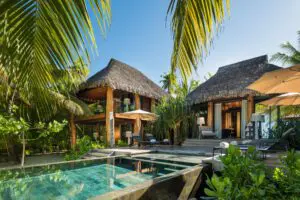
point(120, 76)
point(231, 81)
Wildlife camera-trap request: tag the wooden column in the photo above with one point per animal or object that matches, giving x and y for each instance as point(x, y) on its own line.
point(72, 131)
point(210, 114)
point(153, 105)
point(137, 126)
point(250, 109)
point(137, 101)
point(109, 108)
point(117, 132)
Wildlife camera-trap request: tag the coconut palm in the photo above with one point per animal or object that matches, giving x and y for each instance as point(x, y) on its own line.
point(194, 23)
point(168, 82)
point(39, 37)
point(291, 55)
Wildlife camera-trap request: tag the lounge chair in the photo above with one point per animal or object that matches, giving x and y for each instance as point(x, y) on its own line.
point(151, 140)
point(278, 144)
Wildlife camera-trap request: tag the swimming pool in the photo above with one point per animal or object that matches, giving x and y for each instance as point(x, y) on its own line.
point(81, 179)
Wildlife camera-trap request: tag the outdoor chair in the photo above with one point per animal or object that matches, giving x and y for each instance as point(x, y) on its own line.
point(279, 144)
point(148, 140)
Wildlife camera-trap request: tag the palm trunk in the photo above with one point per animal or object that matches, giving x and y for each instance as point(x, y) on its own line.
point(23, 151)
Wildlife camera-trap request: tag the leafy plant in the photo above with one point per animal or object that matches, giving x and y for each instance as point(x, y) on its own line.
point(287, 177)
point(245, 177)
point(122, 143)
point(174, 116)
point(83, 145)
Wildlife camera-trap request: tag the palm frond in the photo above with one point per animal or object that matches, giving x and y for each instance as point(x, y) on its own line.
point(292, 55)
point(38, 37)
point(194, 23)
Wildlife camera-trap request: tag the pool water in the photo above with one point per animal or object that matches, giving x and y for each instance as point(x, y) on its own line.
point(79, 180)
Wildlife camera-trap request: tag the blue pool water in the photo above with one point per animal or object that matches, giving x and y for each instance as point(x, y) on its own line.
point(79, 180)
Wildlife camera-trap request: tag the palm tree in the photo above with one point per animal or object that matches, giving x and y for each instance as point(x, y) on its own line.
point(292, 55)
point(39, 37)
point(168, 82)
point(194, 23)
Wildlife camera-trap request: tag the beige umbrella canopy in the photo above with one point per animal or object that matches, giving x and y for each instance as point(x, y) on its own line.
point(289, 99)
point(279, 81)
point(141, 114)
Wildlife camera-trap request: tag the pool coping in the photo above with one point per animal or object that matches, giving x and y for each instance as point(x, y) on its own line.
point(57, 163)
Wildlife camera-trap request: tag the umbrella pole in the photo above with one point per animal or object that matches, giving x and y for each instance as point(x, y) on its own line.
point(278, 114)
point(270, 117)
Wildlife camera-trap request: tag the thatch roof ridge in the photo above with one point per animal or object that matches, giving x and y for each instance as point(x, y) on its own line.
point(121, 76)
point(231, 81)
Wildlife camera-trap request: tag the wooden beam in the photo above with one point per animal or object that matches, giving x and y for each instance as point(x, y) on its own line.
point(109, 108)
point(210, 114)
point(97, 117)
point(72, 131)
point(137, 101)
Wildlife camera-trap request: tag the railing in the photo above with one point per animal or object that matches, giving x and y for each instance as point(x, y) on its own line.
point(119, 107)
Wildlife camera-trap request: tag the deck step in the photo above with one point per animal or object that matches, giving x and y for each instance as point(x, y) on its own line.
point(203, 142)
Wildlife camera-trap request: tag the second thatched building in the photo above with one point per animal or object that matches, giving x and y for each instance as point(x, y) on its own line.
point(224, 102)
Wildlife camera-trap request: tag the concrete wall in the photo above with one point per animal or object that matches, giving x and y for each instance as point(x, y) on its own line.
point(178, 185)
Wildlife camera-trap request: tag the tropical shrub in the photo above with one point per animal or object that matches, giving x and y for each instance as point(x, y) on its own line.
point(246, 177)
point(282, 126)
point(122, 143)
point(83, 145)
point(173, 120)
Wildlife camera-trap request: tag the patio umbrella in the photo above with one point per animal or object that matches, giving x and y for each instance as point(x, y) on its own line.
point(289, 99)
point(143, 115)
point(279, 81)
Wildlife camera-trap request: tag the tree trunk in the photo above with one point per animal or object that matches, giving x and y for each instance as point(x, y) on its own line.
point(72, 129)
point(23, 150)
point(13, 150)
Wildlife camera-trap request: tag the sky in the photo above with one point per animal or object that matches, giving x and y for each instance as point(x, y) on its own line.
point(140, 36)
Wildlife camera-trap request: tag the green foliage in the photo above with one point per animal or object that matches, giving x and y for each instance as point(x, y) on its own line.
point(245, 177)
point(292, 55)
point(282, 126)
point(194, 23)
point(287, 177)
point(52, 127)
point(83, 145)
point(34, 43)
point(122, 143)
point(11, 125)
point(174, 115)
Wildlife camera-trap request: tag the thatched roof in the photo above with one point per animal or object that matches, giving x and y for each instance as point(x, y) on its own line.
point(121, 76)
point(231, 81)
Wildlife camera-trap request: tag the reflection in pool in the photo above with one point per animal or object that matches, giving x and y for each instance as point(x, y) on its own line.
point(80, 180)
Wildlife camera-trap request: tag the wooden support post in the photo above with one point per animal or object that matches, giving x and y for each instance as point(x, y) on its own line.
point(153, 105)
point(137, 101)
point(109, 108)
point(137, 126)
point(72, 131)
point(251, 109)
point(117, 133)
point(210, 114)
